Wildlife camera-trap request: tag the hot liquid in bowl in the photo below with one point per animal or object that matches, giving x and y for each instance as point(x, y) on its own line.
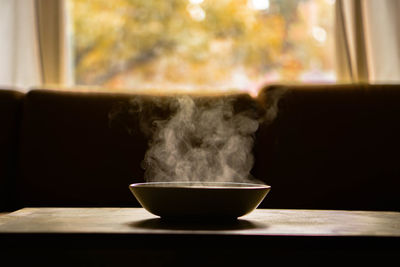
point(186, 200)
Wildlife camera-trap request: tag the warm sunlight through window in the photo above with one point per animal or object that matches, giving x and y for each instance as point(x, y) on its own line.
point(208, 44)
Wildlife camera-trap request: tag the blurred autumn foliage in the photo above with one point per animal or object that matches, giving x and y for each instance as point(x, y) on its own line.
point(234, 44)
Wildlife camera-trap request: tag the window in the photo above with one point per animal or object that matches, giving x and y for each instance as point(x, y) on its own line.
point(200, 44)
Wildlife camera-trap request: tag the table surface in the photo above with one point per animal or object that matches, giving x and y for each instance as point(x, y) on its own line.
point(122, 236)
point(261, 222)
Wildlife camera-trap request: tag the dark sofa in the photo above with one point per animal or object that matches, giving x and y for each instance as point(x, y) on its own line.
point(330, 147)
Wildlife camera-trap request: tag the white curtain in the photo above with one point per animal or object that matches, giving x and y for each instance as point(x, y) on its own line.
point(19, 51)
point(33, 50)
point(368, 41)
point(52, 32)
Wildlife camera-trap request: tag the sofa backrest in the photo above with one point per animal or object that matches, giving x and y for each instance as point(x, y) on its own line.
point(84, 149)
point(75, 152)
point(10, 113)
point(333, 146)
point(330, 147)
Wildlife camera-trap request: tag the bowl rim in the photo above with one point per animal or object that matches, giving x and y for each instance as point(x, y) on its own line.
point(200, 185)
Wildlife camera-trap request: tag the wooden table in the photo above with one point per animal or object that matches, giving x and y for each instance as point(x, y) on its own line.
point(116, 236)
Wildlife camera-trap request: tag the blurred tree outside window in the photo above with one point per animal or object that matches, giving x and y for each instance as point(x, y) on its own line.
point(200, 44)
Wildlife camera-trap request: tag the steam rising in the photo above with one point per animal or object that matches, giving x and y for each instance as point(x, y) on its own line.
point(206, 140)
point(201, 143)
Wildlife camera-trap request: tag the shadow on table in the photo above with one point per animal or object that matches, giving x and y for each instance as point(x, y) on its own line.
point(193, 224)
